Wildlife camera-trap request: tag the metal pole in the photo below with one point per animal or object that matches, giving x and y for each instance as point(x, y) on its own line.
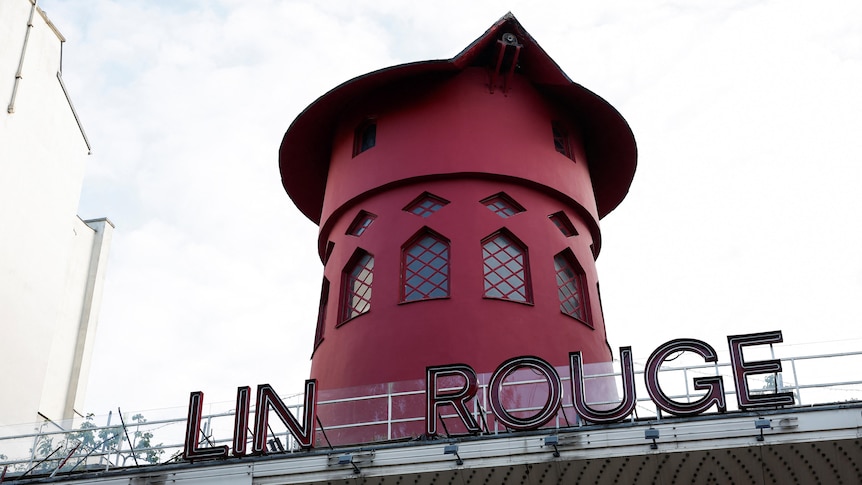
point(43, 460)
point(11, 108)
point(685, 379)
point(131, 446)
point(36, 443)
point(95, 448)
point(389, 414)
point(779, 380)
point(796, 381)
point(64, 460)
point(105, 446)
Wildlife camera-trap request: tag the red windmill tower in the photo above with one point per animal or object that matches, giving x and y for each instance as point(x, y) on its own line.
point(458, 203)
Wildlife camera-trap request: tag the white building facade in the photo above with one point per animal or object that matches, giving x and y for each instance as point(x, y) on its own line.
point(52, 263)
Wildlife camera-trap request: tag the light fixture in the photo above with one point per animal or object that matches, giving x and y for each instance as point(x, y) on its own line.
point(563, 440)
point(652, 434)
point(352, 459)
point(553, 440)
point(453, 450)
point(761, 424)
point(347, 459)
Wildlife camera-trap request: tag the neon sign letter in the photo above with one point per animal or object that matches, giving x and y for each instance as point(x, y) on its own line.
point(579, 400)
point(549, 409)
point(457, 398)
point(267, 399)
point(713, 385)
point(240, 422)
point(192, 449)
point(742, 369)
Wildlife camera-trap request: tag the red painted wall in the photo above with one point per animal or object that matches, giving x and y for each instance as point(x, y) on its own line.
point(456, 140)
point(453, 127)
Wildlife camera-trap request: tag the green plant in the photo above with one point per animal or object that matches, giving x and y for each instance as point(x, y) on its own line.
point(143, 441)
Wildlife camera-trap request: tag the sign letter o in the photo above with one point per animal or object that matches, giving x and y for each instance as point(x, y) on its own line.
point(548, 410)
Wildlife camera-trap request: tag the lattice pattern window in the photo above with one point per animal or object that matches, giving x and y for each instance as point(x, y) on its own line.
point(571, 284)
point(561, 139)
point(365, 136)
point(502, 205)
point(362, 221)
point(425, 268)
point(425, 205)
point(356, 286)
point(505, 267)
point(563, 224)
point(321, 313)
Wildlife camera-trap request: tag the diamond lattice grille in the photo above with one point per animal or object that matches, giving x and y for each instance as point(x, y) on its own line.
point(571, 289)
point(426, 206)
point(361, 223)
point(502, 206)
point(426, 269)
point(505, 269)
point(357, 284)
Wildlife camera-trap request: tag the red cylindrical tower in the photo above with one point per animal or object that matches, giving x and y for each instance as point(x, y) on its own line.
point(458, 204)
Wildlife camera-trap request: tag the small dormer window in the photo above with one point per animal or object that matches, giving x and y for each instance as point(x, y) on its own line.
point(563, 224)
point(425, 205)
point(360, 223)
point(561, 139)
point(502, 205)
point(365, 136)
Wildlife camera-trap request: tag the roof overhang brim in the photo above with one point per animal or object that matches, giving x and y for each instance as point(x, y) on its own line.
point(305, 151)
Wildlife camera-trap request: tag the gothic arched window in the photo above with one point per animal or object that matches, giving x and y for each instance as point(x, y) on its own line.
point(356, 286)
point(425, 267)
point(505, 266)
point(572, 287)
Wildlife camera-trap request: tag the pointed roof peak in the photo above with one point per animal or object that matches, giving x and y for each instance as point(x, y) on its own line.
point(533, 61)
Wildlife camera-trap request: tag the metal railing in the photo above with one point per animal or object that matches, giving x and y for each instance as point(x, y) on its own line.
point(135, 441)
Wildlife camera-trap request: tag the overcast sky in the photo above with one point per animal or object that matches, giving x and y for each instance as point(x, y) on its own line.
point(743, 215)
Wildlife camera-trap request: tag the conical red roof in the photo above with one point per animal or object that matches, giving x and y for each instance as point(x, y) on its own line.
point(611, 151)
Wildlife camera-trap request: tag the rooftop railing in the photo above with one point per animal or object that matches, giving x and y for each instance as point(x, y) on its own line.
point(129, 439)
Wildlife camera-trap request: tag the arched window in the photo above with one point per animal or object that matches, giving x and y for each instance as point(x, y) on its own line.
point(572, 287)
point(505, 266)
point(356, 286)
point(425, 267)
